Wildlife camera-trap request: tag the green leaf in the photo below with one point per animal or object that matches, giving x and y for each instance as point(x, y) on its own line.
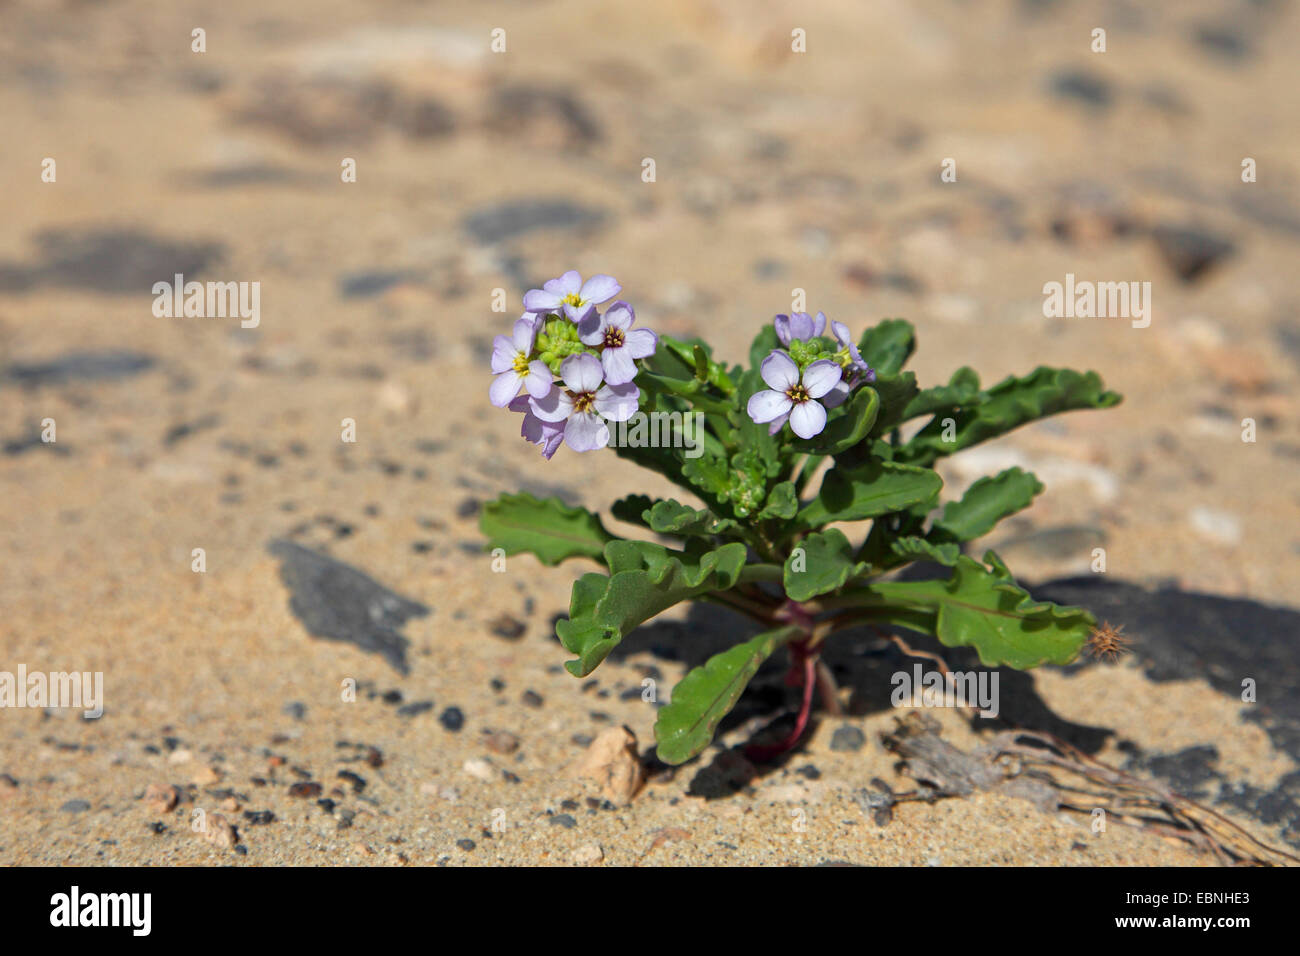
point(846, 426)
point(822, 563)
point(782, 502)
point(704, 696)
point(1010, 404)
point(644, 579)
point(548, 528)
point(984, 608)
point(913, 548)
point(986, 503)
point(762, 346)
point(962, 390)
point(673, 517)
point(896, 393)
point(887, 346)
point(851, 493)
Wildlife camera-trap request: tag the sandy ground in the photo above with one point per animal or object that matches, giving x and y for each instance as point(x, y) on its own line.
point(477, 170)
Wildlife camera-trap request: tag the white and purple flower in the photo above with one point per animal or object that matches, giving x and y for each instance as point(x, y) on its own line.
point(513, 364)
point(800, 325)
point(792, 396)
point(585, 403)
point(550, 435)
point(855, 359)
point(570, 295)
point(620, 343)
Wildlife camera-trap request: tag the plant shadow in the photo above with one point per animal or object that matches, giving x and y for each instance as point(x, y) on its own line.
point(1174, 634)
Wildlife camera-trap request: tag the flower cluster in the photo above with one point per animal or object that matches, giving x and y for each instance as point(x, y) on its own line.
point(805, 371)
point(594, 356)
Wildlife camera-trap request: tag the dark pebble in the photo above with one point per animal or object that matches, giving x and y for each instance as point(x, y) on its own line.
point(507, 627)
point(305, 789)
point(1189, 251)
point(259, 817)
point(810, 772)
point(848, 738)
point(1082, 87)
point(358, 782)
point(563, 820)
point(415, 709)
point(75, 806)
point(452, 719)
point(531, 698)
point(466, 845)
point(295, 709)
point(514, 218)
point(468, 508)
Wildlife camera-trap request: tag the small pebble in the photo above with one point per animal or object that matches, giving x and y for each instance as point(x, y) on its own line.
point(848, 738)
point(452, 719)
point(505, 626)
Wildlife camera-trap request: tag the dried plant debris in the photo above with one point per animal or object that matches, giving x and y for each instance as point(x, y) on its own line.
point(335, 601)
point(1053, 775)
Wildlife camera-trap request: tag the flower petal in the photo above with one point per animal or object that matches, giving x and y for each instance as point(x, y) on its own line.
point(600, 288)
point(640, 343)
point(566, 284)
point(766, 405)
point(841, 332)
point(808, 419)
point(778, 423)
point(618, 402)
point(620, 315)
point(582, 373)
point(538, 380)
point(586, 432)
point(819, 323)
point(555, 406)
point(618, 365)
point(782, 324)
point(525, 333)
point(837, 396)
point(519, 404)
point(820, 377)
point(779, 371)
point(579, 313)
point(801, 325)
point(591, 330)
point(503, 354)
point(504, 387)
point(540, 300)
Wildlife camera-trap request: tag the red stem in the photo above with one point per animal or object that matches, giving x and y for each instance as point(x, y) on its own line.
point(763, 753)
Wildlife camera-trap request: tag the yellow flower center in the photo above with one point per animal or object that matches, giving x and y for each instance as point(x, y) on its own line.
point(521, 363)
point(573, 298)
point(613, 338)
point(583, 401)
point(797, 394)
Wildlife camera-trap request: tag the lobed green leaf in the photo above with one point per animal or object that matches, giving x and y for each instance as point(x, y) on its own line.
point(549, 529)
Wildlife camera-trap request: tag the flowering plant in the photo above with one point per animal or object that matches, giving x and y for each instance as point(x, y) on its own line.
point(766, 538)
